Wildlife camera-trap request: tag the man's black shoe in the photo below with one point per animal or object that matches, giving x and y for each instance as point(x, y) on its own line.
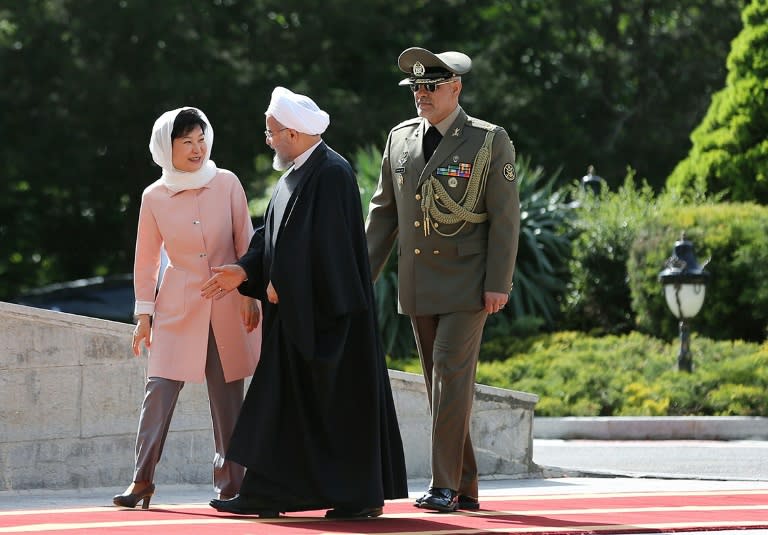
point(242, 506)
point(348, 512)
point(422, 497)
point(468, 503)
point(465, 502)
point(437, 499)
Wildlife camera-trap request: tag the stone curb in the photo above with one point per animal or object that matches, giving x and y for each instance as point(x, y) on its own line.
point(652, 428)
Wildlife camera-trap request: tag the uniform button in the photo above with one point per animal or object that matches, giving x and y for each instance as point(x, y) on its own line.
point(435, 224)
point(436, 251)
point(417, 223)
point(418, 196)
point(417, 251)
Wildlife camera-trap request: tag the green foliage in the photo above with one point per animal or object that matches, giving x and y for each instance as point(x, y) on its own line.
point(257, 204)
point(395, 328)
point(629, 375)
point(730, 149)
point(543, 248)
point(367, 164)
point(83, 80)
point(733, 236)
point(615, 84)
point(598, 297)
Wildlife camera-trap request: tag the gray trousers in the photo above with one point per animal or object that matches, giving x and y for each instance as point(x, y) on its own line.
point(160, 398)
point(449, 346)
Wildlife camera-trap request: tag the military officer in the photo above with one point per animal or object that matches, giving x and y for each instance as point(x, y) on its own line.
point(448, 193)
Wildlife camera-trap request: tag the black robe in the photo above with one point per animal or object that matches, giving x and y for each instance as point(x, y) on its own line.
point(318, 427)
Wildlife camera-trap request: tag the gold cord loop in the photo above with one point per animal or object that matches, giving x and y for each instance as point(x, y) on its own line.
point(439, 208)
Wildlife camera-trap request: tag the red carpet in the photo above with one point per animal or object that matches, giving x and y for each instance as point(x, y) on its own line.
point(642, 512)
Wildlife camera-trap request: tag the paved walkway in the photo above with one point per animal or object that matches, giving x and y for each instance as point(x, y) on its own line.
point(568, 484)
point(198, 494)
point(571, 467)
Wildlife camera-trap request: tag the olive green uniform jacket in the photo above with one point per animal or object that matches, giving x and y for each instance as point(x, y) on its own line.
point(448, 268)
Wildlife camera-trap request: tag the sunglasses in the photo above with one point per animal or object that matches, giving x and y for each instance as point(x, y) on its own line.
point(429, 86)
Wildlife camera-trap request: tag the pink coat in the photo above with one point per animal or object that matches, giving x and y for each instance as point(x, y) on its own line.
point(200, 229)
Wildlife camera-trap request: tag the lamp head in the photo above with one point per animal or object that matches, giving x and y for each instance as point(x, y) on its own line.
point(684, 280)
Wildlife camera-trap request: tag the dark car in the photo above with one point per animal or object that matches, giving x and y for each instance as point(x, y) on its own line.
point(109, 298)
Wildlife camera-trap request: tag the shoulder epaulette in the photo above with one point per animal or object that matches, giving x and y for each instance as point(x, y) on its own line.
point(410, 122)
point(479, 123)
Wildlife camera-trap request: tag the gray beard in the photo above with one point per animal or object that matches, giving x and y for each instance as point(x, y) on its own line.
point(279, 164)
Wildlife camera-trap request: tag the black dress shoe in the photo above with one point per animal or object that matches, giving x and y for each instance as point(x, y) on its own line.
point(350, 512)
point(465, 502)
point(421, 498)
point(240, 505)
point(437, 499)
point(468, 503)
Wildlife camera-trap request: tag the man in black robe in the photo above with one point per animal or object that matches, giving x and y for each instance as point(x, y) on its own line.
point(318, 428)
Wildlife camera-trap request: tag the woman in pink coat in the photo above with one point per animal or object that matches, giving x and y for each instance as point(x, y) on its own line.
point(198, 213)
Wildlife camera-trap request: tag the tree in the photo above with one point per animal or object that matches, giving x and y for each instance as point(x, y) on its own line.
point(83, 80)
point(730, 148)
point(611, 83)
point(83, 83)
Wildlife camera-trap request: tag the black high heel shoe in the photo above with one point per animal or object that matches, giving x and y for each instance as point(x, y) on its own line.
point(130, 500)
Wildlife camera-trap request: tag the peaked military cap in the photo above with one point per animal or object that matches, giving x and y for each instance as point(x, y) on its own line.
point(424, 66)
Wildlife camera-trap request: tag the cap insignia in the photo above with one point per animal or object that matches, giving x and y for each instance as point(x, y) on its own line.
point(418, 69)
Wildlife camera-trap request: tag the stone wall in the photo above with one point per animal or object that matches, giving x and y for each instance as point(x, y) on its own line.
point(71, 390)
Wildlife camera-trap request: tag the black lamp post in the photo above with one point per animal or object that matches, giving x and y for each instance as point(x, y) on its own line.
point(685, 283)
point(592, 182)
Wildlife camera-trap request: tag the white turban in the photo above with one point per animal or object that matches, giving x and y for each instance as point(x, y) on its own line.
point(161, 147)
point(297, 112)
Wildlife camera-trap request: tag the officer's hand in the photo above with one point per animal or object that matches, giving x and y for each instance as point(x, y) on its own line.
point(494, 301)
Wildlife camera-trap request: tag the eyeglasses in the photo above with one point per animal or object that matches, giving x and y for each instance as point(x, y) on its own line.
point(430, 86)
point(269, 133)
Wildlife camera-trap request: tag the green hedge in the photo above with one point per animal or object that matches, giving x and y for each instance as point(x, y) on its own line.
point(734, 236)
point(598, 299)
point(629, 375)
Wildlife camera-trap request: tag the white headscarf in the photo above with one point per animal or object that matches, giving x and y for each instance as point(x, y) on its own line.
point(160, 145)
point(297, 112)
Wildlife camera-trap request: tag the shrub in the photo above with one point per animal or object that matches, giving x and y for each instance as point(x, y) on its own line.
point(539, 279)
point(733, 235)
point(628, 375)
point(633, 375)
point(598, 298)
